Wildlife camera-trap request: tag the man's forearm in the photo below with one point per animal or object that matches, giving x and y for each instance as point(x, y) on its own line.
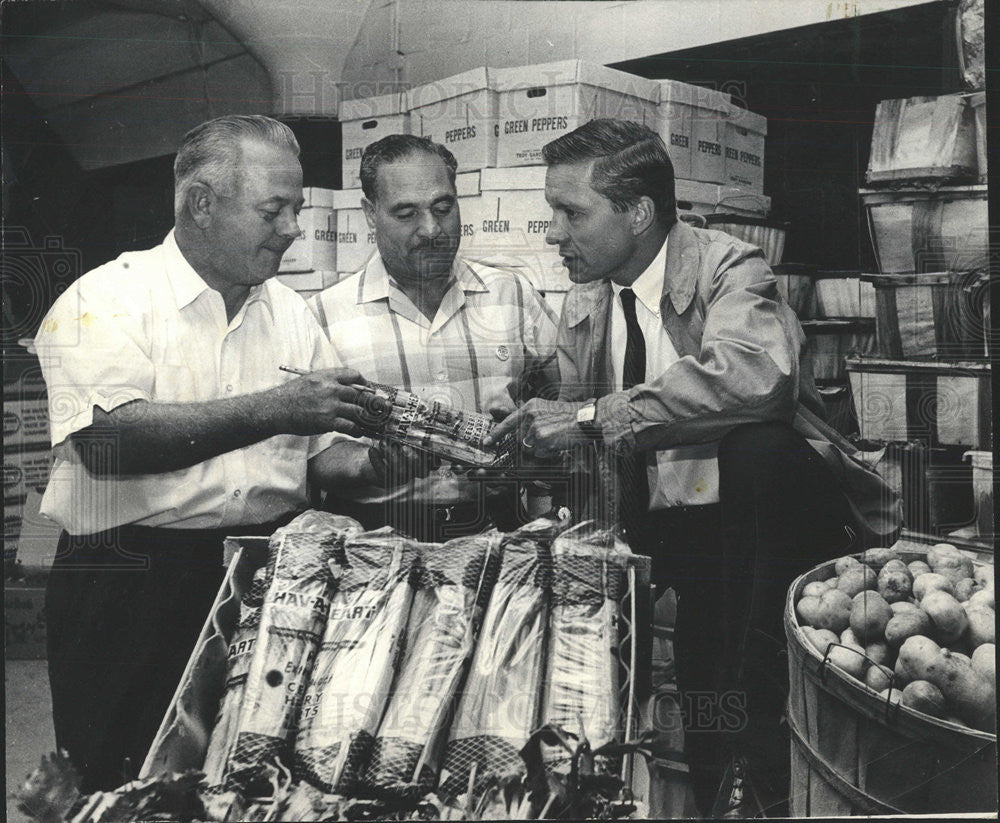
point(150, 438)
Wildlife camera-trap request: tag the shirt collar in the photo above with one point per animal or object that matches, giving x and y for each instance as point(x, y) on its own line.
point(187, 285)
point(375, 283)
point(648, 286)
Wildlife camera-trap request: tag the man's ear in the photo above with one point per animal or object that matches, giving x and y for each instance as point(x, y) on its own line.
point(643, 215)
point(368, 207)
point(200, 202)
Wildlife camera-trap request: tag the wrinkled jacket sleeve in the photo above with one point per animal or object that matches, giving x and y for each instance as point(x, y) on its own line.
point(746, 370)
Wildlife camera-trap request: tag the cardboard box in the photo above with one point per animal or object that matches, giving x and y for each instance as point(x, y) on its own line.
point(708, 135)
point(459, 112)
point(25, 424)
point(745, 134)
point(302, 281)
point(365, 121)
point(537, 104)
point(681, 106)
point(710, 198)
point(355, 240)
point(511, 222)
point(24, 621)
point(316, 249)
point(25, 470)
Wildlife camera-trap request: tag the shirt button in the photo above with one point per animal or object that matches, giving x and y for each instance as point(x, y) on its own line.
point(237, 493)
point(229, 387)
point(442, 375)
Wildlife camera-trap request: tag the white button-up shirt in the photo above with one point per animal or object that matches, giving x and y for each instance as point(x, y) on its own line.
point(682, 476)
point(146, 326)
point(491, 329)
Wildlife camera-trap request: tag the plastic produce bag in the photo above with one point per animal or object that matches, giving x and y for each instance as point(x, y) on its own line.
point(452, 578)
point(350, 680)
point(581, 688)
point(302, 564)
point(499, 705)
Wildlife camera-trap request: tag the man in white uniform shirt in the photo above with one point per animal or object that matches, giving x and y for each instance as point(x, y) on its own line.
point(173, 426)
point(681, 363)
point(424, 318)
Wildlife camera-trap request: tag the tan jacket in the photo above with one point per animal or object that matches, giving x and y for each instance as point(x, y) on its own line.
point(741, 360)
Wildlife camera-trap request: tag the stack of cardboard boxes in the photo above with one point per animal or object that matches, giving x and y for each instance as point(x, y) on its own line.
point(926, 395)
point(496, 121)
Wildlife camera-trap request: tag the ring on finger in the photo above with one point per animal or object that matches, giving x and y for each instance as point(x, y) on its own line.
point(526, 444)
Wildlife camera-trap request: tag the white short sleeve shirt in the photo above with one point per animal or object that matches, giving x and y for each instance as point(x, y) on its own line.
point(146, 326)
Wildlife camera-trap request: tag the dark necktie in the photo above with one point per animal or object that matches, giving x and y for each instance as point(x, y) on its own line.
point(634, 489)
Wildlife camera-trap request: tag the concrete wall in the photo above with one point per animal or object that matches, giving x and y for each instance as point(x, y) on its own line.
point(415, 41)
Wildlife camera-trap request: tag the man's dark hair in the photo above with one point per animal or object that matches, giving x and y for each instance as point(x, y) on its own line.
point(395, 147)
point(632, 162)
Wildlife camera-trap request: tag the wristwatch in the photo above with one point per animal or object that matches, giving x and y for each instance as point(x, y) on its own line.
point(586, 419)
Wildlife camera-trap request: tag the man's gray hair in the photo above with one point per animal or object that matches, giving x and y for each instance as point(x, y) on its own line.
point(211, 151)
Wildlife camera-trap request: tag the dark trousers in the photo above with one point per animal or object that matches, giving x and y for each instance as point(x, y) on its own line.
point(124, 609)
point(780, 513)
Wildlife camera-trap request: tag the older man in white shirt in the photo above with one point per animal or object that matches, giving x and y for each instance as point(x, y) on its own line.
point(173, 426)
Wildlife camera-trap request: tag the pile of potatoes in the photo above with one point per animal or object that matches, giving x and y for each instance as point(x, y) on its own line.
point(922, 633)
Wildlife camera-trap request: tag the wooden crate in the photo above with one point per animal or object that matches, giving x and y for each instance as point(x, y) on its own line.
point(936, 402)
point(853, 753)
point(916, 230)
point(768, 235)
point(938, 314)
point(923, 137)
point(829, 342)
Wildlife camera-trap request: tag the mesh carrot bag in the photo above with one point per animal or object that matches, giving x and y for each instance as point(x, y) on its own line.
point(499, 705)
point(303, 557)
point(350, 680)
point(453, 578)
point(581, 687)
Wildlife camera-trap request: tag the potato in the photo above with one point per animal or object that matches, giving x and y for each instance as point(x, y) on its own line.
point(984, 661)
point(848, 659)
point(983, 575)
point(966, 692)
point(924, 697)
point(915, 655)
point(938, 551)
point(947, 615)
point(833, 611)
point(856, 579)
point(965, 588)
point(917, 568)
point(822, 638)
point(902, 674)
point(895, 586)
point(906, 624)
point(982, 626)
point(878, 677)
point(892, 695)
point(877, 558)
point(954, 566)
point(984, 597)
point(814, 589)
point(832, 582)
point(879, 653)
point(844, 563)
point(849, 638)
point(932, 582)
point(869, 616)
point(904, 606)
point(896, 566)
point(807, 609)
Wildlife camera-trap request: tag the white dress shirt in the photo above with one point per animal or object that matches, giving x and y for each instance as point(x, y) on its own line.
point(685, 475)
point(146, 326)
